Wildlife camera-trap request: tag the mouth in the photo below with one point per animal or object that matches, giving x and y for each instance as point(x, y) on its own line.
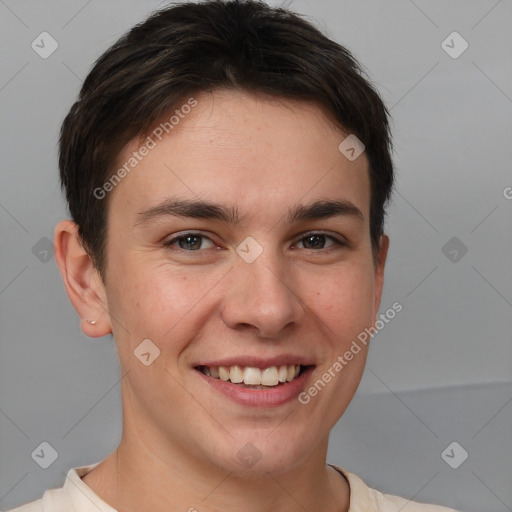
point(253, 377)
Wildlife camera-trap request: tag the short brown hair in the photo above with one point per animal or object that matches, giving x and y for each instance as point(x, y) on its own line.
point(188, 48)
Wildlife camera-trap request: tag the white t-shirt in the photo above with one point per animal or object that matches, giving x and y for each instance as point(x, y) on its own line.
point(76, 496)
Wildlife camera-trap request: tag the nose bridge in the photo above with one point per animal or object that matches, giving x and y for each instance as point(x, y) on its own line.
point(261, 294)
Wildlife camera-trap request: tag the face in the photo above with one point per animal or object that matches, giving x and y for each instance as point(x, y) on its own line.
point(276, 279)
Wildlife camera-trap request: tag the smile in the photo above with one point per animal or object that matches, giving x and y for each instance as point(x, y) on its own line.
point(252, 376)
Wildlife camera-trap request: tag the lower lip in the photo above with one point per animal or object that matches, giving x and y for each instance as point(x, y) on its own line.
point(271, 397)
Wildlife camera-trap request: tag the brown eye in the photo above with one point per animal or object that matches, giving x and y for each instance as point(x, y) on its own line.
point(318, 240)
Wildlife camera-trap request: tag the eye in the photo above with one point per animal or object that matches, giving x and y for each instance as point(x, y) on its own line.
point(191, 242)
point(318, 240)
point(194, 242)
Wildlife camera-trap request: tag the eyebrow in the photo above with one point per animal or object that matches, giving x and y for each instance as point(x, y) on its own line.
point(200, 209)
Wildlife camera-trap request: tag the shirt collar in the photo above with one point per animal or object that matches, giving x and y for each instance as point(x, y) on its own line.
point(362, 499)
point(82, 497)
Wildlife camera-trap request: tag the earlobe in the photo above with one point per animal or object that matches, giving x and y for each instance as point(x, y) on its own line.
point(84, 286)
point(379, 274)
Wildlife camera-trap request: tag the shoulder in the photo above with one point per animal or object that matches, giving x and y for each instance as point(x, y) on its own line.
point(74, 496)
point(53, 500)
point(366, 499)
point(33, 506)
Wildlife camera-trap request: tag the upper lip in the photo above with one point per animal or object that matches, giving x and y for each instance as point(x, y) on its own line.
point(256, 362)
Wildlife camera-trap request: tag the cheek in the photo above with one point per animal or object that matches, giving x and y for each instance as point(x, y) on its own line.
point(343, 300)
point(158, 301)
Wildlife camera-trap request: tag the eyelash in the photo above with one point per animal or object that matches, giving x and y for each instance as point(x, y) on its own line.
point(337, 241)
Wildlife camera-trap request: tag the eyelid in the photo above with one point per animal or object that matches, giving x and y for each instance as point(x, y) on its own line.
point(338, 237)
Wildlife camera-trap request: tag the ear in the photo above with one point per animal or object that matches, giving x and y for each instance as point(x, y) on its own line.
point(83, 283)
point(379, 275)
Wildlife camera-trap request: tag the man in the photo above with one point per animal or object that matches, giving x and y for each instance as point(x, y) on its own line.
point(226, 168)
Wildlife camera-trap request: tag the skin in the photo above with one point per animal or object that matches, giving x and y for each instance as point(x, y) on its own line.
point(180, 436)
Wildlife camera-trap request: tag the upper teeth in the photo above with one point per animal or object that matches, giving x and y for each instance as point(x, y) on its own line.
point(253, 376)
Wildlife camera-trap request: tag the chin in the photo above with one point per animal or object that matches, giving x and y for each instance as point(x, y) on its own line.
point(254, 456)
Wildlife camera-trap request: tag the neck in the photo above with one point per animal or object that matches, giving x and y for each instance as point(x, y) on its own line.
point(177, 482)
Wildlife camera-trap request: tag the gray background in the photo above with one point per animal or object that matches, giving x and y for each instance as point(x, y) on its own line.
point(440, 372)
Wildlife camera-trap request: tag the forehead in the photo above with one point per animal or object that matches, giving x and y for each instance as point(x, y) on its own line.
point(257, 152)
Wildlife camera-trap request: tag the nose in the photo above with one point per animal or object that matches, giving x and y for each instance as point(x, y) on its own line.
point(261, 297)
